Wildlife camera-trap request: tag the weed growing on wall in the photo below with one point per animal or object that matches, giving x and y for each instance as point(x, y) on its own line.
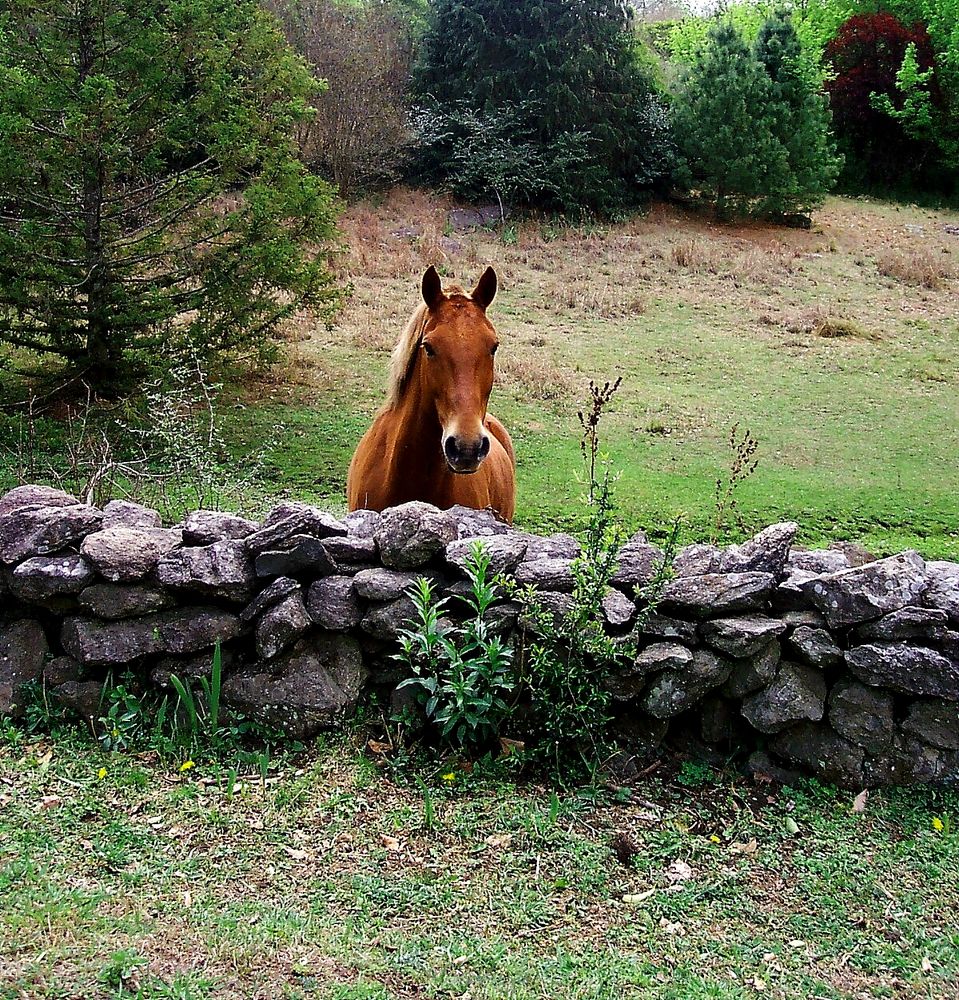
point(744, 462)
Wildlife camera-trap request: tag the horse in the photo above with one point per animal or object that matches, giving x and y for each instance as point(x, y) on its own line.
point(434, 440)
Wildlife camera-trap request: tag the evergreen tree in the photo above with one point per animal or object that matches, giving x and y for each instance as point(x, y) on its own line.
point(574, 61)
point(798, 116)
point(728, 152)
point(150, 192)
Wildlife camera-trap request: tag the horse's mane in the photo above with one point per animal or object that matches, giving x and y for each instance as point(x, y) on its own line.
point(404, 353)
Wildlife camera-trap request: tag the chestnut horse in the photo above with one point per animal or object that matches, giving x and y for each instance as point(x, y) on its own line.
point(434, 440)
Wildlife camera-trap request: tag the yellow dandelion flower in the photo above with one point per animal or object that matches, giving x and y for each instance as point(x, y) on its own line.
point(449, 777)
point(186, 765)
point(102, 773)
point(715, 839)
point(937, 824)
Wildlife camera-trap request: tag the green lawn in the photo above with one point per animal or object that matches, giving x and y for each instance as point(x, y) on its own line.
point(333, 881)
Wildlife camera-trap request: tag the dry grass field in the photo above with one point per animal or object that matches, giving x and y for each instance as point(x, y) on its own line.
point(837, 348)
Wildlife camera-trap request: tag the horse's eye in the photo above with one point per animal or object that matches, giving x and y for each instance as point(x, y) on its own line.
point(430, 353)
point(492, 350)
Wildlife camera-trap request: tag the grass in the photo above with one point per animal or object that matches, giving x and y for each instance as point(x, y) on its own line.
point(330, 880)
point(838, 348)
point(830, 346)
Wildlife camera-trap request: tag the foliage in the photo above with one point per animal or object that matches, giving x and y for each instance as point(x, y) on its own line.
point(751, 125)
point(744, 448)
point(462, 672)
point(150, 191)
point(359, 133)
point(585, 77)
point(883, 93)
point(567, 653)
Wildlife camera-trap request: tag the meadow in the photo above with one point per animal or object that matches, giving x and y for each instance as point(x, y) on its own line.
point(836, 348)
point(329, 875)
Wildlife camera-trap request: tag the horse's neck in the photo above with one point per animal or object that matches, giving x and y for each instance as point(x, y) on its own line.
point(414, 439)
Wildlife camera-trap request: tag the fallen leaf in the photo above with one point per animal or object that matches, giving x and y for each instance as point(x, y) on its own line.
point(859, 802)
point(390, 843)
point(499, 839)
point(671, 928)
point(750, 847)
point(50, 801)
point(679, 871)
point(377, 747)
point(635, 898)
point(759, 984)
point(511, 746)
point(791, 826)
point(926, 964)
point(295, 853)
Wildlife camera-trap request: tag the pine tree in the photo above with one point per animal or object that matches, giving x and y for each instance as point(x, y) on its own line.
point(569, 68)
point(798, 116)
point(150, 191)
point(728, 152)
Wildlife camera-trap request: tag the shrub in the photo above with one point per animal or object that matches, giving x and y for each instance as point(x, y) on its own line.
point(150, 188)
point(570, 69)
point(359, 134)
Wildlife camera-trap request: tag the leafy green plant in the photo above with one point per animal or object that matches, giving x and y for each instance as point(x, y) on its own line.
point(122, 723)
point(463, 673)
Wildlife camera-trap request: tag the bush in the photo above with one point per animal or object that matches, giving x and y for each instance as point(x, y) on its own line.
point(568, 74)
point(751, 126)
point(359, 134)
point(149, 182)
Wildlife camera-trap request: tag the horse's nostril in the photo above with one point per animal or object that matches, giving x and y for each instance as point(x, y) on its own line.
point(484, 447)
point(449, 446)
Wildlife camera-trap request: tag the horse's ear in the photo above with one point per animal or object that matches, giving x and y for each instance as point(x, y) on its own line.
point(485, 290)
point(432, 288)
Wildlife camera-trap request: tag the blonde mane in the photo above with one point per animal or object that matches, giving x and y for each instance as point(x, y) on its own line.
point(404, 353)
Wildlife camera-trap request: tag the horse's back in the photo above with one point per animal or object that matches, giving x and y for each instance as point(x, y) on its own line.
point(502, 435)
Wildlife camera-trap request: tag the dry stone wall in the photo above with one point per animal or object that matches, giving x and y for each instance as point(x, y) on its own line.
point(827, 662)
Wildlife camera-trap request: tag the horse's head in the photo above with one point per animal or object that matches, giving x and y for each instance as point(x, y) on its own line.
point(456, 366)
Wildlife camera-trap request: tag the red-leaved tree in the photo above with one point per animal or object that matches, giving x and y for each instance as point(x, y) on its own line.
point(865, 56)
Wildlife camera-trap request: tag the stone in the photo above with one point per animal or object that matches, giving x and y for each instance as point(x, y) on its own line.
point(697, 560)
point(943, 591)
point(44, 577)
point(190, 669)
point(505, 552)
point(554, 607)
point(472, 523)
point(313, 687)
point(180, 631)
point(547, 574)
point(641, 734)
point(754, 672)
point(809, 618)
point(629, 683)
point(618, 609)
point(29, 496)
point(765, 553)
point(296, 520)
point(124, 554)
point(796, 693)
point(385, 621)
point(115, 600)
point(907, 623)
point(672, 692)
point(301, 554)
point(126, 514)
point(935, 723)
point(915, 670)
point(387, 584)
point(558, 546)
point(821, 751)
point(717, 593)
point(718, 720)
point(741, 637)
point(281, 587)
point(913, 762)
point(363, 523)
point(818, 561)
point(222, 570)
point(655, 627)
point(863, 715)
point(853, 596)
point(23, 648)
point(281, 625)
point(40, 531)
point(82, 697)
point(205, 527)
point(638, 563)
point(61, 669)
point(791, 591)
point(814, 646)
point(855, 554)
point(332, 603)
point(350, 550)
point(501, 618)
point(414, 533)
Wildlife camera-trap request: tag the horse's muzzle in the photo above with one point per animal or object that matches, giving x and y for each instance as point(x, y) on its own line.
point(464, 457)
